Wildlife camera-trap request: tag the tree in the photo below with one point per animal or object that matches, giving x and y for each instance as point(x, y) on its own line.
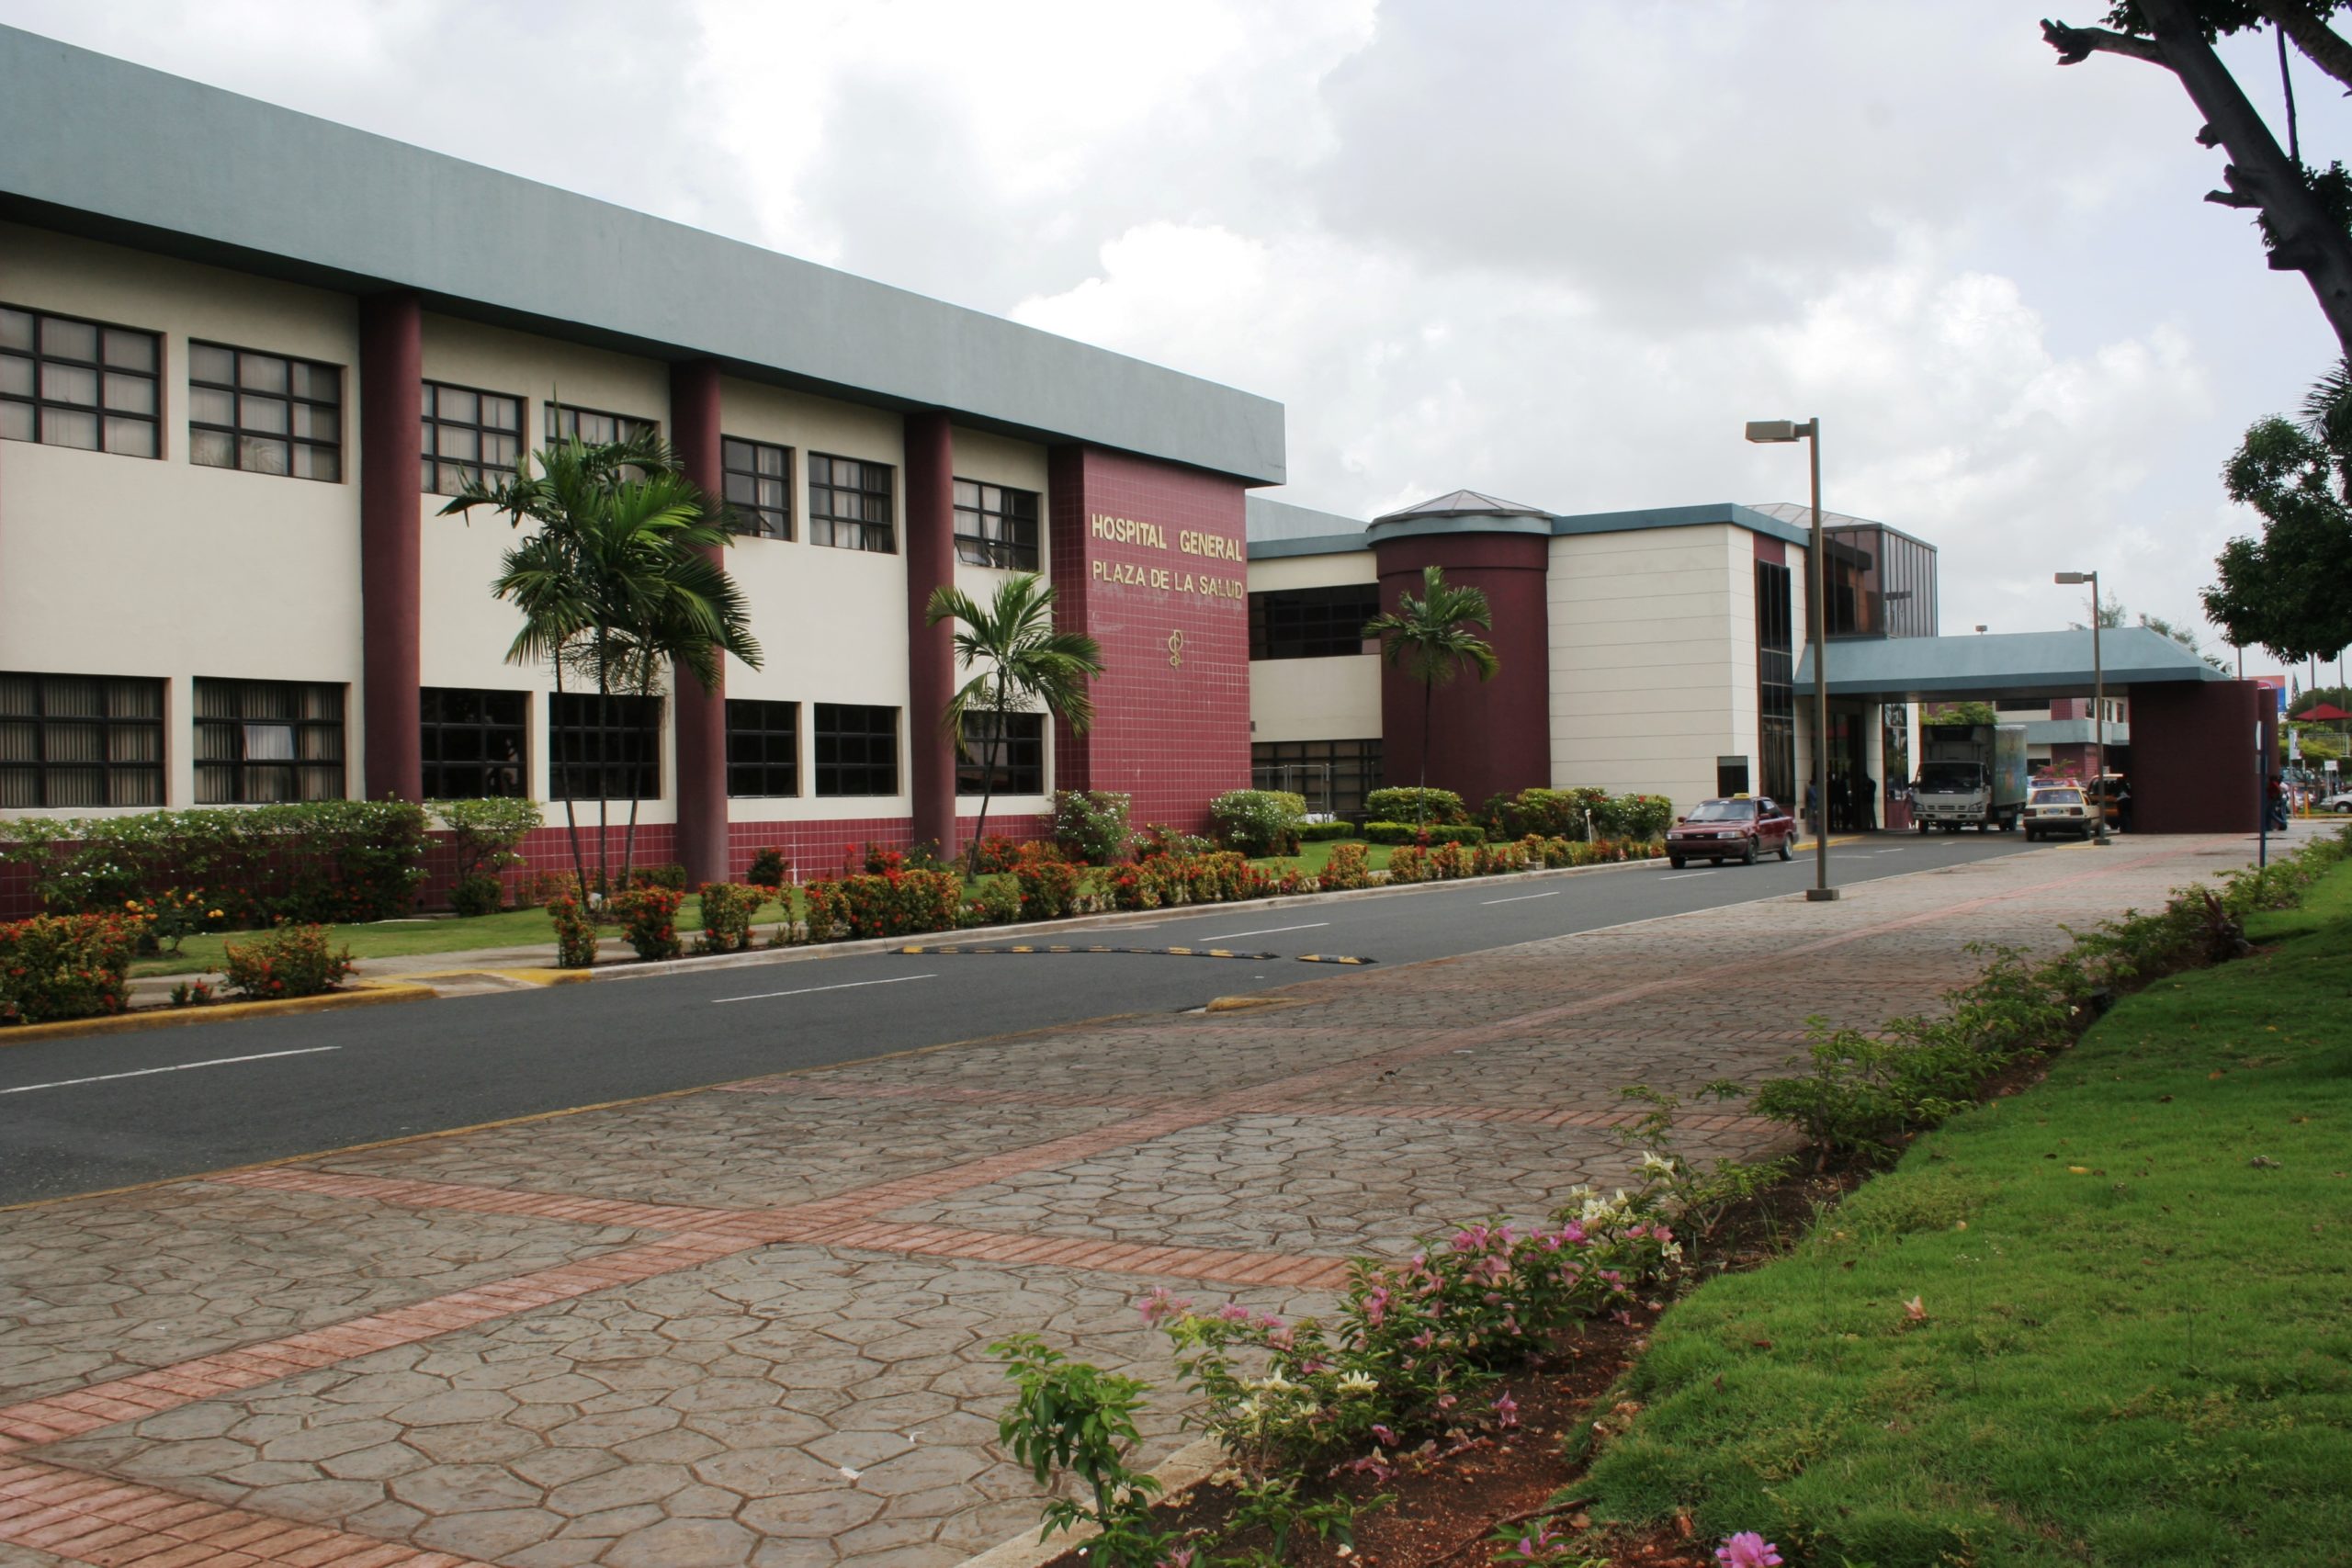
point(618, 581)
point(2110, 614)
point(2291, 591)
point(1430, 638)
point(2302, 213)
point(1017, 662)
point(1969, 712)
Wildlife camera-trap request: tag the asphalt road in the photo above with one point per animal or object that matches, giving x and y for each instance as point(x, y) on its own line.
point(81, 1115)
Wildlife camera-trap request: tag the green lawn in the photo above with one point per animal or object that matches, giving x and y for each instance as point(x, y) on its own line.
point(513, 928)
point(2138, 1285)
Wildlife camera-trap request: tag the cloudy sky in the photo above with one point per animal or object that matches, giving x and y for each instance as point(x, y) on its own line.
point(1557, 251)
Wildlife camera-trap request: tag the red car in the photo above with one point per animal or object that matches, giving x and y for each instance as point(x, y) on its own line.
point(1740, 828)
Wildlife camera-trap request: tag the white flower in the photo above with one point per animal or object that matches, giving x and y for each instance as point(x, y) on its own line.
point(1354, 1383)
point(1275, 1382)
point(1650, 1161)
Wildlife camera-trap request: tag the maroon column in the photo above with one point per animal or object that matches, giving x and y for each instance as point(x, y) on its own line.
point(391, 404)
point(2195, 763)
point(1485, 737)
point(931, 650)
point(700, 715)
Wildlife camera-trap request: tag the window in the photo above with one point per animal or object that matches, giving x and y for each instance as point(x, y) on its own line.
point(66, 382)
point(596, 427)
point(603, 748)
point(1776, 697)
point(996, 527)
point(849, 507)
point(469, 434)
point(759, 486)
point(264, 740)
point(857, 749)
point(763, 748)
point(264, 412)
point(81, 741)
point(1333, 775)
point(473, 743)
point(1013, 765)
point(1311, 623)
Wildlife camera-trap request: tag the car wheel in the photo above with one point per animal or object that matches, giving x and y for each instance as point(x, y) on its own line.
point(1747, 855)
point(1786, 853)
point(1675, 861)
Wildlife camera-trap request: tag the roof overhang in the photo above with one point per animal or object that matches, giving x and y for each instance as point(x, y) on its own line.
point(2015, 664)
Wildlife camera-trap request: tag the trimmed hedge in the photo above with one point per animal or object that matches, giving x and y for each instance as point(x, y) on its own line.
point(1412, 804)
point(1321, 832)
point(1259, 821)
point(1406, 834)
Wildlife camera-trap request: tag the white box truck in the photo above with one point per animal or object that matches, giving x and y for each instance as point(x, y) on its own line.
point(1970, 776)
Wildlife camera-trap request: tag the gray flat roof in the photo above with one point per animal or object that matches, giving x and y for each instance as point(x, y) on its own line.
point(2013, 665)
point(98, 146)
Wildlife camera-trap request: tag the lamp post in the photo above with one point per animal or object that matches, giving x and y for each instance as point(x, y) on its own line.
point(1773, 432)
point(2098, 707)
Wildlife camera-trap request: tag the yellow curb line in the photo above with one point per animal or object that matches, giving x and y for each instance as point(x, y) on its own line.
point(363, 994)
point(522, 976)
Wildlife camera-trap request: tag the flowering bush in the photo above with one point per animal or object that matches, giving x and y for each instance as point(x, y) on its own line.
point(893, 903)
point(1091, 824)
point(1160, 839)
point(727, 911)
point(995, 854)
point(173, 915)
point(484, 840)
point(1293, 880)
point(56, 967)
point(649, 919)
point(1350, 866)
point(1259, 821)
point(995, 902)
point(575, 933)
point(1048, 883)
point(192, 993)
point(671, 878)
point(543, 887)
point(770, 867)
point(1222, 876)
point(291, 961)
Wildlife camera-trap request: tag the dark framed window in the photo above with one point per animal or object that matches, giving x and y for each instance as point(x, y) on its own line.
point(1311, 623)
point(1016, 759)
point(996, 526)
point(603, 748)
point(595, 426)
point(68, 382)
point(475, 743)
point(857, 749)
point(1334, 775)
point(759, 486)
point(264, 412)
point(763, 748)
point(849, 505)
point(81, 741)
point(1776, 697)
point(469, 434)
point(265, 740)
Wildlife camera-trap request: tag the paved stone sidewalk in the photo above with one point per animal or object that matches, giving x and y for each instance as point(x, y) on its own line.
point(750, 1326)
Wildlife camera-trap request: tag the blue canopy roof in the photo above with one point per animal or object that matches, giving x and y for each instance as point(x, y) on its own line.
point(2013, 665)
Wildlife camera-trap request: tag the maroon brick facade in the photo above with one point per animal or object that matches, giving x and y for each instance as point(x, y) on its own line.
point(1150, 560)
point(1485, 737)
point(2183, 737)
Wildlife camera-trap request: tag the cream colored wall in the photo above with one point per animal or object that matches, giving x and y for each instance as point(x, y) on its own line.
point(1286, 573)
point(1315, 699)
point(1652, 658)
point(119, 565)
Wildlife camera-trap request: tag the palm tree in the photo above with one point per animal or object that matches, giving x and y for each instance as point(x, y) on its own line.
point(616, 585)
point(1018, 663)
point(1430, 638)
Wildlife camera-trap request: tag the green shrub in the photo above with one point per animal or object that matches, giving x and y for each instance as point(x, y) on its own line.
point(575, 933)
point(291, 961)
point(1321, 832)
point(484, 840)
point(1218, 877)
point(672, 878)
point(995, 854)
point(727, 911)
point(1160, 839)
point(480, 894)
point(1406, 834)
point(320, 861)
point(649, 919)
point(1350, 866)
point(995, 902)
point(1259, 821)
point(1415, 804)
point(1048, 883)
point(897, 903)
point(1091, 824)
point(770, 867)
point(58, 967)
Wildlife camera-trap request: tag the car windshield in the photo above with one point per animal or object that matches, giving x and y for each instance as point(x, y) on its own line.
point(1938, 777)
point(2057, 797)
point(1723, 811)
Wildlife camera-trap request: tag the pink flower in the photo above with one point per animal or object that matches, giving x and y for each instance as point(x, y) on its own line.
point(1375, 1306)
point(1234, 1311)
point(1506, 1410)
point(1158, 1304)
point(1387, 1438)
point(1747, 1550)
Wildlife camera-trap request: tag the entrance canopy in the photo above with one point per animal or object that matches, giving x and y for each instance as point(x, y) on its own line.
point(2014, 664)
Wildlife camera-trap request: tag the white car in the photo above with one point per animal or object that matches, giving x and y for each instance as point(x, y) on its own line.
point(2057, 808)
point(2340, 801)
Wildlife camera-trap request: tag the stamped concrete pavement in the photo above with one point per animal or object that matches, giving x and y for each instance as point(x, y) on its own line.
point(748, 1325)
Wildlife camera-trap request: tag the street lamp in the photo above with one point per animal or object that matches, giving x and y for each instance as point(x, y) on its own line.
point(1771, 431)
point(2098, 707)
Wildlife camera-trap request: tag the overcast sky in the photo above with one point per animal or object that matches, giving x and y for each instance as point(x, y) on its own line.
point(1556, 250)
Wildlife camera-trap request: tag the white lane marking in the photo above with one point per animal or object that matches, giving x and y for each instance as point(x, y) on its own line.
point(1685, 876)
point(1114, 930)
point(1886, 852)
point(806, 990)
point(1525, 897)
point(1263, 931)
point(176, 1068)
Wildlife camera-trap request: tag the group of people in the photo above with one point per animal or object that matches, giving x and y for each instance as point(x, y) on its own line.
point(1854, 804)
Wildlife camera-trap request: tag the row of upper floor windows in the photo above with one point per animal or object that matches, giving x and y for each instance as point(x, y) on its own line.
point(66, 381)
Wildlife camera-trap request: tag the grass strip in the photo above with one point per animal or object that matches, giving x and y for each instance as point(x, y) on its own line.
point(2136, 1281)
